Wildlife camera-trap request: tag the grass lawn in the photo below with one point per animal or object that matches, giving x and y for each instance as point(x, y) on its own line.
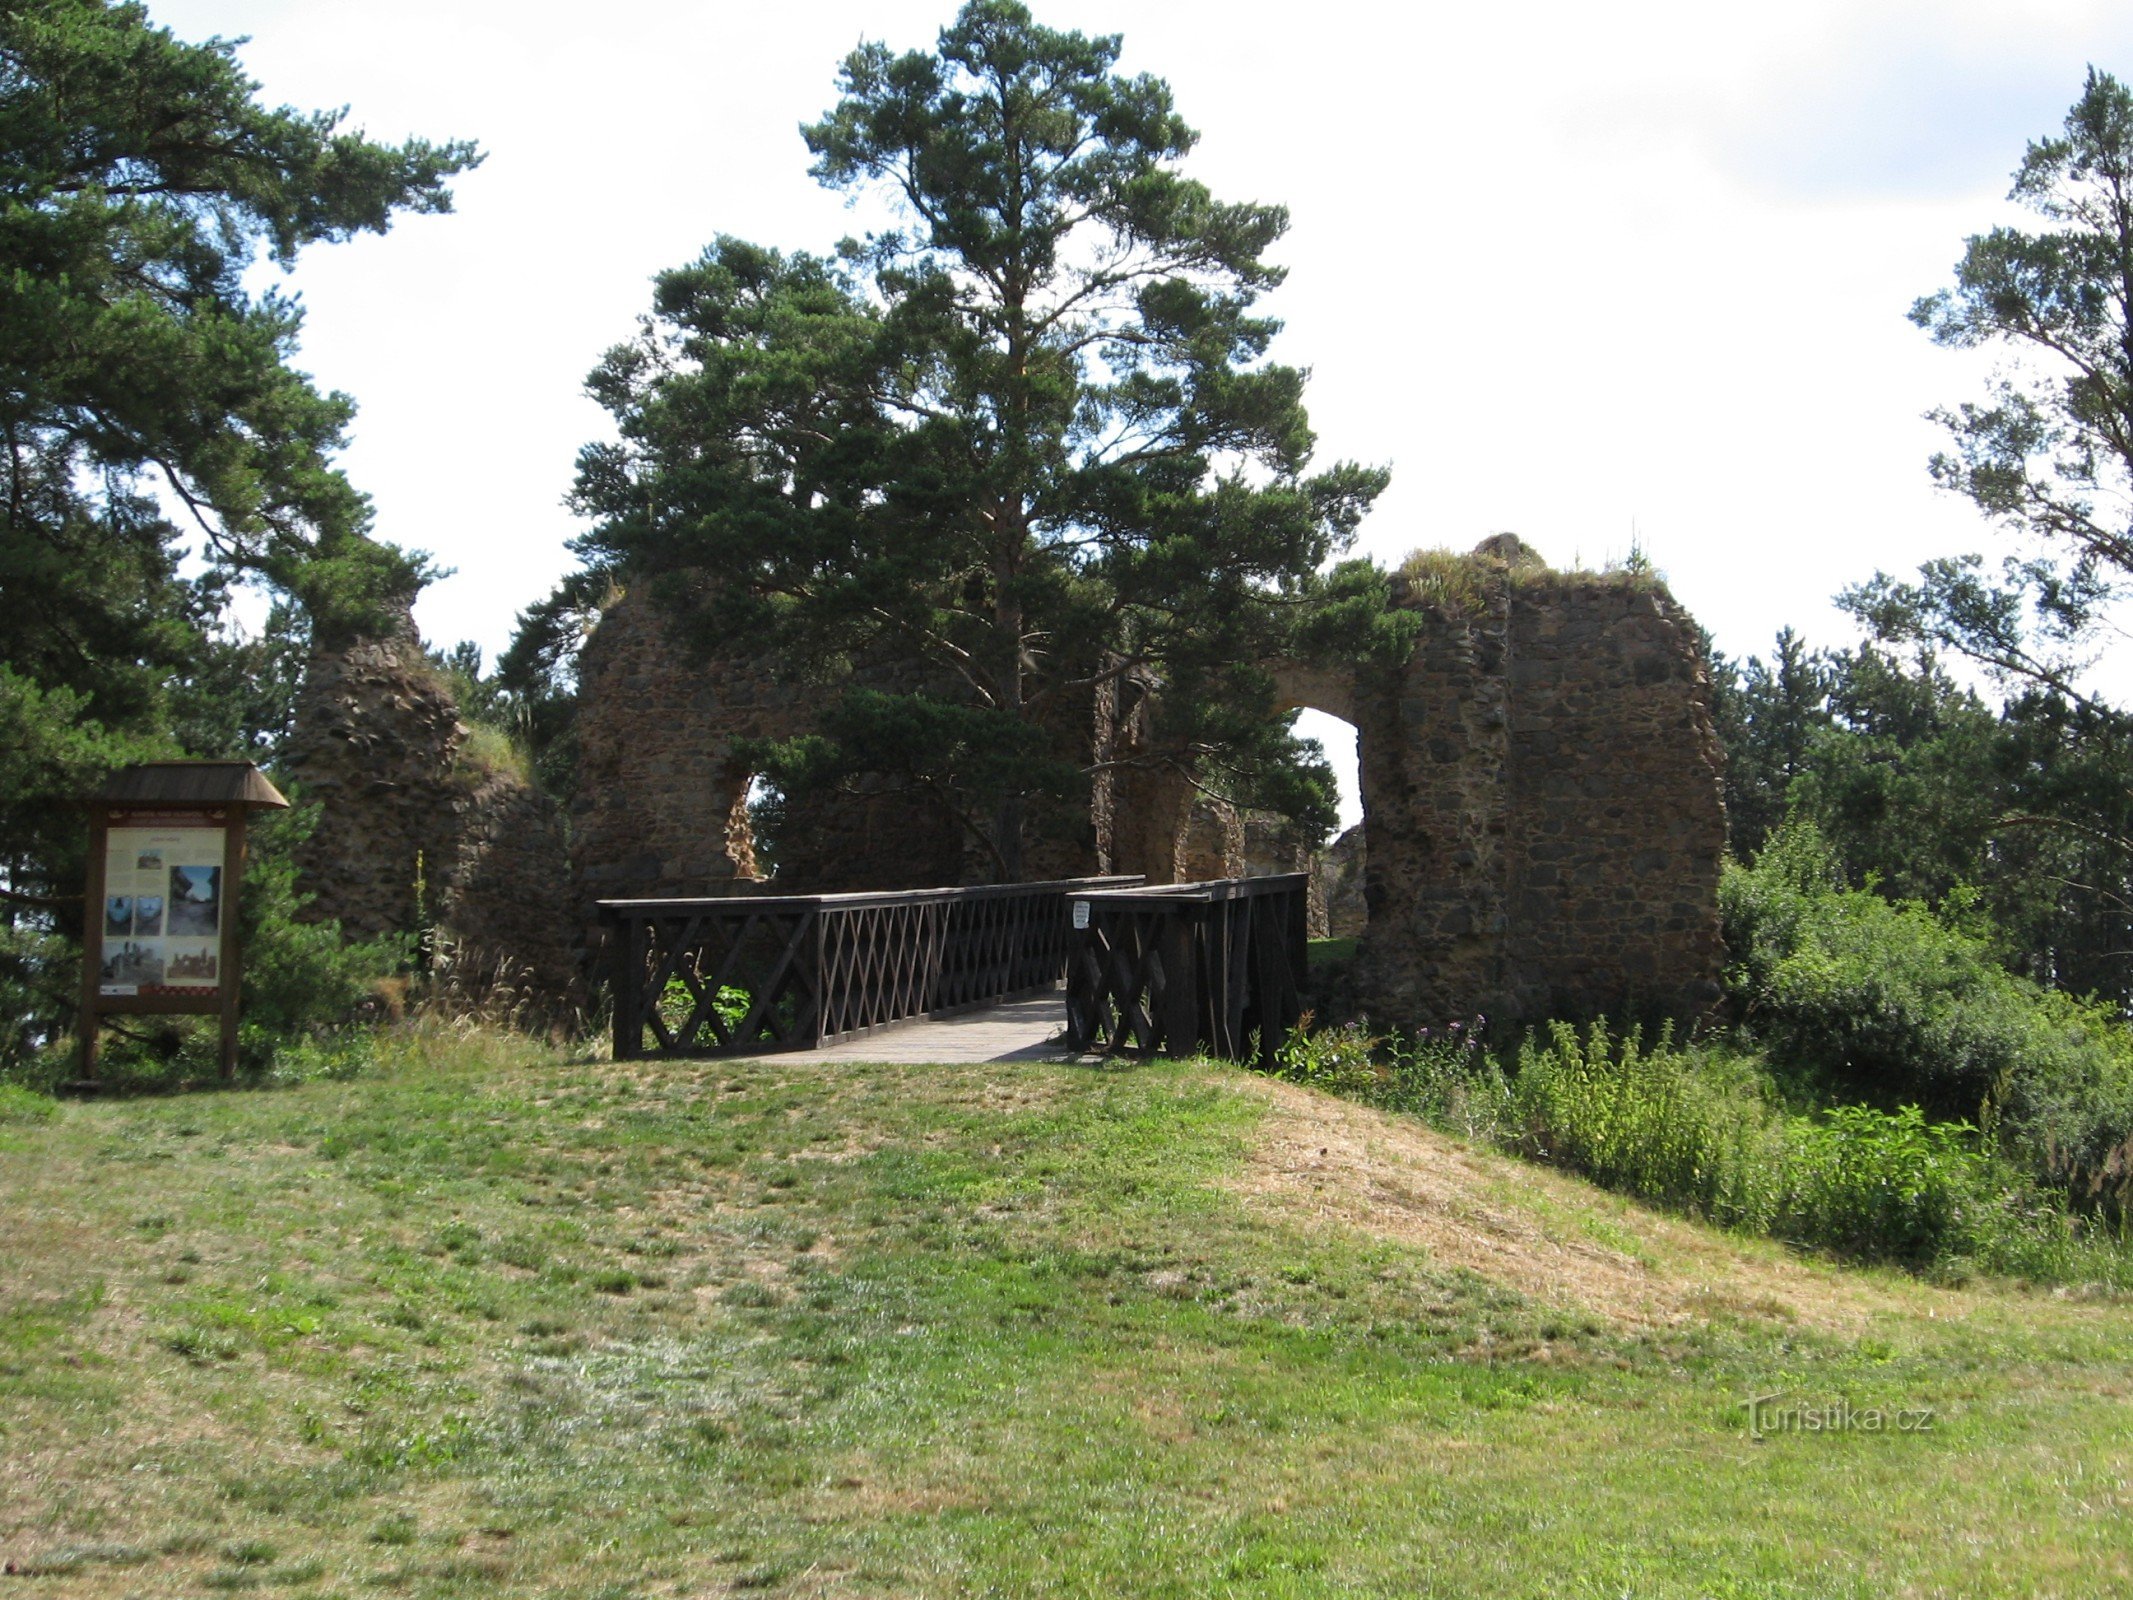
point(493, 1321)
point(1330, 951)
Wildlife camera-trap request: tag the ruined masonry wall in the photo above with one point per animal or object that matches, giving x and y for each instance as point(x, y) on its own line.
point(1541, 783)
point(1340, 869)
point(377, 746)
point(662, 797)
point(661, 803)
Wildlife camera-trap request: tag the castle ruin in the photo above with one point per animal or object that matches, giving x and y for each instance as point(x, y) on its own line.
point(1540, 784)
point(1540, 781)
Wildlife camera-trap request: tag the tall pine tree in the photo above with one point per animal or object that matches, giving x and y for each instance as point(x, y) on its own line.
point(1027, 442)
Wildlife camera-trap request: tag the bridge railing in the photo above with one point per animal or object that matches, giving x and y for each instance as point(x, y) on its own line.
point(1213, 966)
point(754, 973)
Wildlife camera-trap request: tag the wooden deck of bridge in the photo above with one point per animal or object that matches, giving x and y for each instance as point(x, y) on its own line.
point(1031, 1029)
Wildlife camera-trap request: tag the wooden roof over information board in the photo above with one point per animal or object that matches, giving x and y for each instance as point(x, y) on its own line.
point(190, 783)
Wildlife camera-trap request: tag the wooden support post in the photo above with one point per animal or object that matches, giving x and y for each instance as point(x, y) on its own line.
point(629, 988)
point(1180, 1021)
point(1269, 925)
point(232, 946)
point(815, 1012)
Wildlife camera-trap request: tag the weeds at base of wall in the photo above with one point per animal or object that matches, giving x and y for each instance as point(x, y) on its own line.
point(1696, 1129)
point(464, 983)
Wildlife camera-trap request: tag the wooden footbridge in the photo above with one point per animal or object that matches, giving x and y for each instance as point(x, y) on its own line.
point(1001, 972)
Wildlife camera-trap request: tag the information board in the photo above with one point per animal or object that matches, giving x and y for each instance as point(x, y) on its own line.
point(163, 905)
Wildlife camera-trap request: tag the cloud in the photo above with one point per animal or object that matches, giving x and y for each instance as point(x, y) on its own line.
point(1915, 101)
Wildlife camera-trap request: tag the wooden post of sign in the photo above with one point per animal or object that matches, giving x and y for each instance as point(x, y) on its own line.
point(232, 947)
point(92, 941)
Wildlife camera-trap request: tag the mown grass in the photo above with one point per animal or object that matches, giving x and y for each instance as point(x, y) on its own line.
point(493, 1321)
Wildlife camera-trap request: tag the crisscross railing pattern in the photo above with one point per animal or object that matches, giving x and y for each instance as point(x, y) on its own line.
point(754, 973)
point(1192, 966)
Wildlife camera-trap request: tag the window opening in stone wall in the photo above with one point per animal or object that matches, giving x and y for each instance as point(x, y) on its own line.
point(1337, 869)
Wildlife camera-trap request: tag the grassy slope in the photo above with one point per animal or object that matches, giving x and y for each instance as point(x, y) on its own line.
point(532, 1327)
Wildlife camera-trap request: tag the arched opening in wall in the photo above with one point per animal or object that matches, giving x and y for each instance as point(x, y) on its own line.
point(1338, 910)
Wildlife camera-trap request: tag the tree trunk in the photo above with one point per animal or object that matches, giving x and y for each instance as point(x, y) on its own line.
point(1007, 836)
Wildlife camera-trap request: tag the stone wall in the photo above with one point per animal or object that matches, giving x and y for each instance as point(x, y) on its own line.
point(661, 803)
point(662, 796)
point(1340, 869)
point(412, 831)
point(1541, 792)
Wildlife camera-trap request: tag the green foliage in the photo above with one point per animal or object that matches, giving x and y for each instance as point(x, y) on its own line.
point(1448, 580)
point(1340, 1060)
point(1886, 1002)
point(52, 752)
point(1700, 1130)
point(1464, 582)
point(1768, 717)
point(488, 749)
point(1351, 613)
point(1871, 1182)
point(971, 758)
point(139, 180)
point(535, 680)
point(677, 1005)
point(38, 974)
point(2049, 451)
point(1926, 792)
point(300, 977)
point(1645, 1120)
point(140, 183)
point(1026, 443)
point(19, 1105)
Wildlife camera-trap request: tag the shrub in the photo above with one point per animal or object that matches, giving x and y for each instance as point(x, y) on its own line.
point(1859, 998)
point(677, 1005)
point(18, 1104)
point(488, 750)
point(1875, 1183)
point(38, 977)
point(1339, 1060)
point(1697, 1129)
point(1658, 1122)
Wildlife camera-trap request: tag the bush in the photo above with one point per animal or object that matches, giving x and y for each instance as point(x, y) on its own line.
point(39, 975)
point(300, 976)
point(1661, 1122)
point(1873, 1183)
point(1861, 999)
point(1698, 1129)
point(1339, 1060)
point(18, 1104)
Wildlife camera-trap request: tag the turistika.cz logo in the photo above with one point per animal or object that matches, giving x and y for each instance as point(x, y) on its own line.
point(1773, 1413)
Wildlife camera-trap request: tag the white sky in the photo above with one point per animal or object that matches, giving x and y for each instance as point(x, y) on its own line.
point(1575, 271)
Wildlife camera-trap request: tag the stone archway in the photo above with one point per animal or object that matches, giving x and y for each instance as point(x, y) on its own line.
point(1541, 791)
point(1339, 908)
